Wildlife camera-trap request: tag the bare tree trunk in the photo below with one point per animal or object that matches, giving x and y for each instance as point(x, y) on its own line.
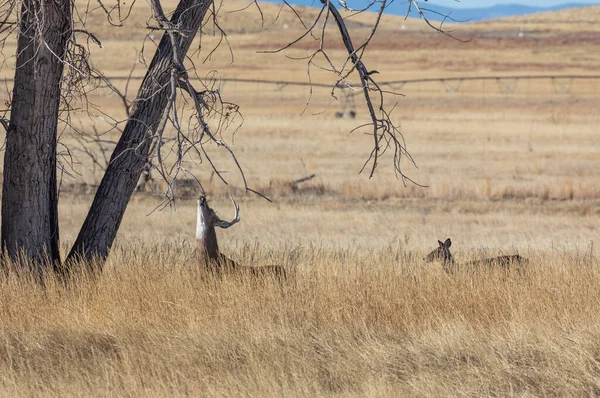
point(29, 196)
point(127, 162)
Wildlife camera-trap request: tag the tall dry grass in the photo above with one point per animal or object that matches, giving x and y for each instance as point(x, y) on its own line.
point(347, 323)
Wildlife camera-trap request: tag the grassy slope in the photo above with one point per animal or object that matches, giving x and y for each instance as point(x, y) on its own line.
point(362, 314)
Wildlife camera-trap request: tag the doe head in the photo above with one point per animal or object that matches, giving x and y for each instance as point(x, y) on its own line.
point(442, 253)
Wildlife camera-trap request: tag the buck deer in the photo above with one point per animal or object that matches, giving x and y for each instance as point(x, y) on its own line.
point(442, 253)
point(208, 252)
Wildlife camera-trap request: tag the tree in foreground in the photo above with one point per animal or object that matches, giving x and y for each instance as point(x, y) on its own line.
point(53, 67)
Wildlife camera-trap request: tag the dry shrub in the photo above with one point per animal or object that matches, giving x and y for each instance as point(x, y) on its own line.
point(279, 188)
point(376, 190)
point(565, 189)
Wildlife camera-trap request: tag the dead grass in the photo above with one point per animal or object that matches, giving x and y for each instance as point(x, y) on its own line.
point(348, 323)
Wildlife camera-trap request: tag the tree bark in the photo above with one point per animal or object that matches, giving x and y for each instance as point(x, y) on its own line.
point(127, 161)
point(29, 195)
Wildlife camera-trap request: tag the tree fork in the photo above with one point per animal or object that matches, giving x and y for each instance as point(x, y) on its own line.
point(127, 161)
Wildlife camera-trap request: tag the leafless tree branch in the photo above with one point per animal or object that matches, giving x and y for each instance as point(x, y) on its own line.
point(440, 29)
point(385, 134)
point(205, 103)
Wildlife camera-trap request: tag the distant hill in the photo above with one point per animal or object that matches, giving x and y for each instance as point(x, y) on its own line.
point(479, 14)
point(459, 14)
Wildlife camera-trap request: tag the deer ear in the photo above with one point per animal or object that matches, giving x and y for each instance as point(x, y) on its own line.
point(440, 243)
point(447, 243)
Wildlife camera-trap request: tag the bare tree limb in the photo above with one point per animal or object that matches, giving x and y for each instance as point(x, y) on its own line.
point(382, 128)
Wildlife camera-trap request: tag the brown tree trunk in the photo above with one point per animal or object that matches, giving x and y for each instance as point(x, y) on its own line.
point(29, 196)
point(127, 161)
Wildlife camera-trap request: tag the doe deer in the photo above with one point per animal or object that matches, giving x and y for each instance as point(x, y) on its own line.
point(207, 247)
point(442, 253)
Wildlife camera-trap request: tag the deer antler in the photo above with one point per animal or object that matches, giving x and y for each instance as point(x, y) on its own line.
point(236, 218)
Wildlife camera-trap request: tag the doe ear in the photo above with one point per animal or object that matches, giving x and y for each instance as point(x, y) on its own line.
point(440, 243)
point(447, 243)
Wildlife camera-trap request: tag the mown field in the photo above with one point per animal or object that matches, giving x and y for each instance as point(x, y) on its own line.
point(362, 314)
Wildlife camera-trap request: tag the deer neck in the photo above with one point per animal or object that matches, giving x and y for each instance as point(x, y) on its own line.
point(206, 239)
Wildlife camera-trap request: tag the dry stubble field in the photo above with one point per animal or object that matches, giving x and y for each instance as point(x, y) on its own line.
point(362, 314)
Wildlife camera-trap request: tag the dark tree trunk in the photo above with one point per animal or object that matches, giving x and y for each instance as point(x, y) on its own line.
point(127, 161)
point(29, 196)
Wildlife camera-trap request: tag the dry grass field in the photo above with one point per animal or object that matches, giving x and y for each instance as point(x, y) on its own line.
point(361, 313)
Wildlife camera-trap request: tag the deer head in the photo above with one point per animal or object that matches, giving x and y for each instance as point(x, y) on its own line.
point(442, 253)
point(205, 227)
point(207, 218)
